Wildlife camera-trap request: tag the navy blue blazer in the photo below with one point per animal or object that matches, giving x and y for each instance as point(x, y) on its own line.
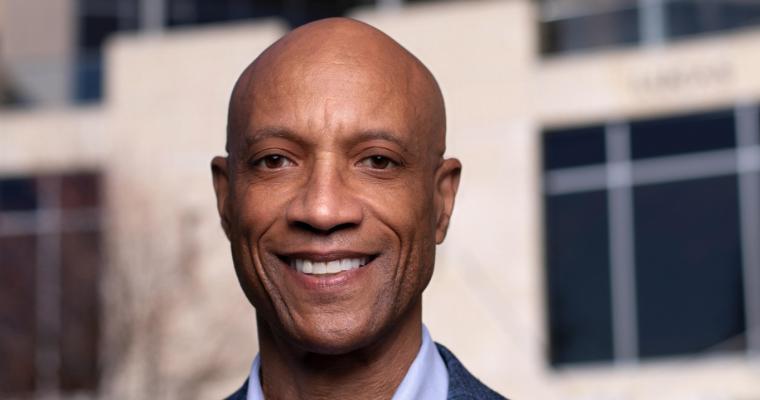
point(462, 385)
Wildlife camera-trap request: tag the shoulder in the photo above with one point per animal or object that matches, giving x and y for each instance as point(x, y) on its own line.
point(240, 394)
point(462, 384)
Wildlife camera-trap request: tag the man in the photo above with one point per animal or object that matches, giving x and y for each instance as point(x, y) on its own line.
point(334, 195)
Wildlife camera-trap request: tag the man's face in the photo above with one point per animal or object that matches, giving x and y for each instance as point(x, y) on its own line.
point(333, 203)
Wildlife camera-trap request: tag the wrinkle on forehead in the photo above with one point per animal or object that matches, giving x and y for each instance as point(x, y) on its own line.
point(349, 50)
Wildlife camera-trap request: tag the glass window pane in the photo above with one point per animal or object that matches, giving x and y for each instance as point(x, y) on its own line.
point(683, 134)
point(99, 7)
point(17, 314)
point(212, 11)
point(618, 27)
point(18, 194)
point(574, 147)
point(89, 77)
point(190, 12)
point(688, 267)
point(79, 191)
point(93, 30)
point(578, 277)
point(80, 264)
point(739, 13)
point(689, 17)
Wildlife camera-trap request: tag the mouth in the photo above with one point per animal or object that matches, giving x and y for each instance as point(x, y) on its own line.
point(326, 264)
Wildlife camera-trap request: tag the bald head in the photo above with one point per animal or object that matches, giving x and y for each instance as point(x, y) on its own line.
point(326, 59)
point(336, 137)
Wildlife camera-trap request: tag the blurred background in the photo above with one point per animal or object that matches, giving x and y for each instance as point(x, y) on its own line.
point(605, 243)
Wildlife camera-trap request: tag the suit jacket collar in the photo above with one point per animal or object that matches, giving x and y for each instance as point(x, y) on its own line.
point(462, 385)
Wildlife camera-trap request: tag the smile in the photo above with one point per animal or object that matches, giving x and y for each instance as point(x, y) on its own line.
point(327, 267)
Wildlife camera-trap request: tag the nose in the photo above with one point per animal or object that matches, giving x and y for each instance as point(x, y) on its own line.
point(325, 203)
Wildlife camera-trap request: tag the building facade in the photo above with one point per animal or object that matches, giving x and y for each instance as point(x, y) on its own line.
point(603, 246)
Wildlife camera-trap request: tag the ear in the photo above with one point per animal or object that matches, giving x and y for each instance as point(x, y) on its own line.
point(446, 185)
point(220, 174)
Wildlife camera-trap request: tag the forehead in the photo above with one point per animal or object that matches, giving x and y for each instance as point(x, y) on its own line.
point(338, 95)
point(339, 76)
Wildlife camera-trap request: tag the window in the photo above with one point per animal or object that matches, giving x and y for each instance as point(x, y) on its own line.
point(651, 237)
point(583, 24)
point(191, 12)
point(691, 17)
point(295, 12)
point(97, 20)
point(50, 257)
point(574, 25)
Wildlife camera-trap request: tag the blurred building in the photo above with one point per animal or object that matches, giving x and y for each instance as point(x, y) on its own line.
point(606, 239)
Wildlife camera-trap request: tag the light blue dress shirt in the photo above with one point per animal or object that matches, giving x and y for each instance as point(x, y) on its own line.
point(427, 378)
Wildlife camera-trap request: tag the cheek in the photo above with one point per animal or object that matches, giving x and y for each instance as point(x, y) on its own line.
point(417, 213)
point(259, 206)
point(420, 242)
point(256, 210)
point(408, 198)
point(408, 211)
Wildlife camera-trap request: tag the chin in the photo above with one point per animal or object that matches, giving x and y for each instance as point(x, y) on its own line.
point(332, 345)
point(329, 336)
point(336, 337)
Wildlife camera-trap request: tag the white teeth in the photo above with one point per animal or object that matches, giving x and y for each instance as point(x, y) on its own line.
point(320, 268)
point(330, 267)
point(333, 267)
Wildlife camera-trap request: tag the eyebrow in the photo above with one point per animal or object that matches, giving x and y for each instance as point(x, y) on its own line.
point(272, 132)
point(285, 133)
point(367, 135)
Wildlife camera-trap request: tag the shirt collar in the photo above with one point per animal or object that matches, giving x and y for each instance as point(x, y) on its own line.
point(254, 384)
point(426, 379)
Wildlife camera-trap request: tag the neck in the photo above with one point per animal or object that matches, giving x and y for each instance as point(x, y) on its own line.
point(371, 372)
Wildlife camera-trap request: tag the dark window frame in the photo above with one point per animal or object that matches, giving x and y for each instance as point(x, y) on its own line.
point(621, 176)
point(65, 261)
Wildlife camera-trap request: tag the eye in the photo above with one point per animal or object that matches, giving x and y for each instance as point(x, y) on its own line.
point(273, 161)
point(378, 162)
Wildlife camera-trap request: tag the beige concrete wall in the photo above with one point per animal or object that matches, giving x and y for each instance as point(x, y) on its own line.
point(36, 141)
point(712, 72)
